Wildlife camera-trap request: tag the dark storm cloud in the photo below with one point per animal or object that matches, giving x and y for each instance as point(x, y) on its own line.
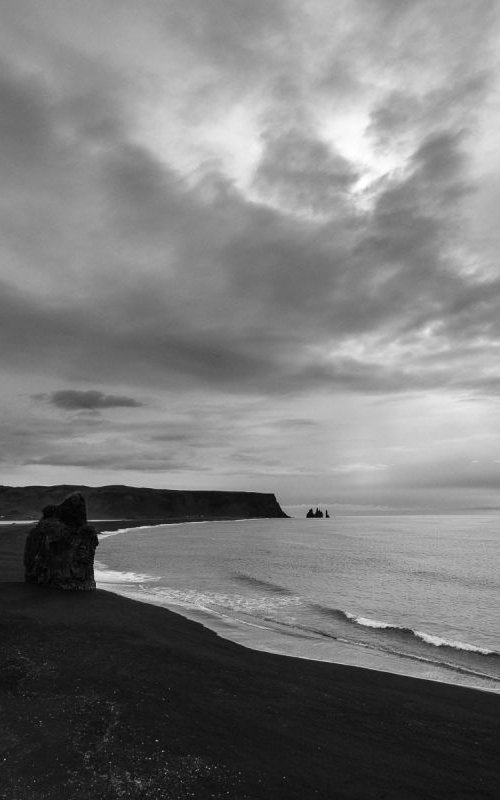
point(260, 211)
point(127, 461)
point(91, 400)
point(39, 435)
point(25, 125)
point(294, 423)
point(298, 170)
point(229, 32)
point(124, 263)
point(439, 159)
point(401, 113)
point(171, 437)
point(281, 286)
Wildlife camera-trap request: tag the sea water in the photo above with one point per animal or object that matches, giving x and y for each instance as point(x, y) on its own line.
point(414, 595)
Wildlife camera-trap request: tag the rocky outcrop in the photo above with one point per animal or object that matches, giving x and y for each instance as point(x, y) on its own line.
point(59, 551)
point(136, 503)
point(318, 514)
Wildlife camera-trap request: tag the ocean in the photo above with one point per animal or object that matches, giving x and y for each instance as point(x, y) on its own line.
point(413, 595)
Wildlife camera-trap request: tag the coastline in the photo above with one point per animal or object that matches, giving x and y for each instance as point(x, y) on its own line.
point(206, 620)
point(223, 626)
point(106, 696)
point(448, 660)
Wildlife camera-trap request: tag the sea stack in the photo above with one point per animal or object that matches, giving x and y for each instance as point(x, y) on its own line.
point(59, 551)
point(318, 514)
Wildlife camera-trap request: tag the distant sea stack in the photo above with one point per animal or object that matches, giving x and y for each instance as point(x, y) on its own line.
point(59, 551)
point(318, 514)
point(134, 503)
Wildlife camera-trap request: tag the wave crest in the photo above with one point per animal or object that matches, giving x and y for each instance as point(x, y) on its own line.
point(400, 630)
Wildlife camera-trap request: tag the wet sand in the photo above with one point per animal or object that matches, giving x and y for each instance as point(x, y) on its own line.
point(105, 697)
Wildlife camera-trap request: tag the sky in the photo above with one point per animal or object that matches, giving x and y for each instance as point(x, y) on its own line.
point(253, 244)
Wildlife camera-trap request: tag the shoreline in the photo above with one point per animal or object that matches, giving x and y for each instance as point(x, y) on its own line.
point(127, 692)
point(270, 637)
point(109, 525)
point(200, 616)
point(195, 615)
point(104, 696)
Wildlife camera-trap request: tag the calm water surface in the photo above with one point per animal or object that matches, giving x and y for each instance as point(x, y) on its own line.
point(417, 595)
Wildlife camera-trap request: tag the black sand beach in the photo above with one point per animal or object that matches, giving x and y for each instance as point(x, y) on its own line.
point(105, 697)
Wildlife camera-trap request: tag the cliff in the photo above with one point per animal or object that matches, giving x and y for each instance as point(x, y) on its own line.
point(128, 502)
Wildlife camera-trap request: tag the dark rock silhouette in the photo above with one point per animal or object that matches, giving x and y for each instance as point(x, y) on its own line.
point(318, 514)
point(59, 551)
point(134, 503)
point(327, 515)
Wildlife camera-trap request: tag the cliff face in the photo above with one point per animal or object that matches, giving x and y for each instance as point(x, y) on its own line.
point(128, 502)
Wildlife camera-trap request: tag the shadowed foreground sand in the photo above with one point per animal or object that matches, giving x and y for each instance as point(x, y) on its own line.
point(104, 697)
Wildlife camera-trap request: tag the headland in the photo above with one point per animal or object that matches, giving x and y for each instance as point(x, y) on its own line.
point(140, 503)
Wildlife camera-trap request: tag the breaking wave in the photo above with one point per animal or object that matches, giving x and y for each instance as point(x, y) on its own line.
point(107, 534)
point(105, 576)
point(401, 630)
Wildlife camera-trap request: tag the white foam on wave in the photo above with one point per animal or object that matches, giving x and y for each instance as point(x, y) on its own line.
point(218, 602)
point(106, 534)
point(213, 521)
point(103, 575)
point(437, 641)
point(428, 638)
point(368, 623)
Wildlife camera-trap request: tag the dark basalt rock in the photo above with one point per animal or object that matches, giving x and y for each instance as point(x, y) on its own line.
point(318, 514)
point(134, 503)
point(59, 551)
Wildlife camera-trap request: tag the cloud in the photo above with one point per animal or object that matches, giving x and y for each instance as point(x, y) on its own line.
point(299, 171)
point(292, 423)
point(233, 34)
point(359, 468)
point(25, 126)
point(264, 202)
point(170, 437)
point(90, 400)
point(126, 462)
point(448, 473)
point(293, 292)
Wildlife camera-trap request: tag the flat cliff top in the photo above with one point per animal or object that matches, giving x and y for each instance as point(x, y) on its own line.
point(131, 502)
